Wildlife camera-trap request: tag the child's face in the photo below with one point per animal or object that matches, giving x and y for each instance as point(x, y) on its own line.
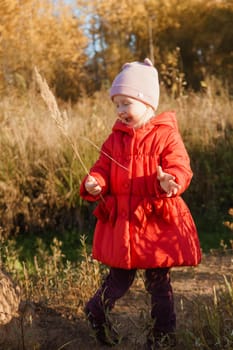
point(129, 110)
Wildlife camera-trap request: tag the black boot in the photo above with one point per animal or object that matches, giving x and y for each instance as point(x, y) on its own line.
point(104, 332)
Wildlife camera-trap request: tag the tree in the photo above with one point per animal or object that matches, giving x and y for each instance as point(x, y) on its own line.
point(45, 35)
point(131, 30)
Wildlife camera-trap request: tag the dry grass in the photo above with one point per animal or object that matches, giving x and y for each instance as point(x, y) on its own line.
point(203, 117)
point(55, 290)
point(9, 298)
point(41, 170)
point(40, 173)
point(39, 183)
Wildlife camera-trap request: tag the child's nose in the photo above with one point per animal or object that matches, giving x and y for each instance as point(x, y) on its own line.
point(121, 114)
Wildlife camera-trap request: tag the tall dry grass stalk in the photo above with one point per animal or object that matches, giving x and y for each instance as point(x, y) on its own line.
point(60, 119)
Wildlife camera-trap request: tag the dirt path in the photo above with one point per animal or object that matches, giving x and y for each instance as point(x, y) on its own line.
point(46, 329)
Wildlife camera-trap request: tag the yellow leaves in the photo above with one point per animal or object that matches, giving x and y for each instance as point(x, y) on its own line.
point(47, 34)
point(41, 33)
point(8, 6)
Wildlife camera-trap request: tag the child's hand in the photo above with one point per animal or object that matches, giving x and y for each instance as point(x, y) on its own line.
point(167, 182)
point(91, 186)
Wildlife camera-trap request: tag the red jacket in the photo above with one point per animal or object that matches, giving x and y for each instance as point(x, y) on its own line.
point(138, 226)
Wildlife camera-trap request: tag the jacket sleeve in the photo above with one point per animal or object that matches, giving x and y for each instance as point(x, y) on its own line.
point(175, 160)
point(100, 171)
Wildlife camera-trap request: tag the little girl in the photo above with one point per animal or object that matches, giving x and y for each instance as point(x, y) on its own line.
point(143, 223)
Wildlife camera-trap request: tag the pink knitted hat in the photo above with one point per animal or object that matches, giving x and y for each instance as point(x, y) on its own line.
point(138, 80)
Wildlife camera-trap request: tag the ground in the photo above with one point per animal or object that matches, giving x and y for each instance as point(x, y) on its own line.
point(43, 328)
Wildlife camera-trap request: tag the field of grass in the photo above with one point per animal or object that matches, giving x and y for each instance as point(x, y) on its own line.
point(54, 291)
point(40, 174)
point(43, 222)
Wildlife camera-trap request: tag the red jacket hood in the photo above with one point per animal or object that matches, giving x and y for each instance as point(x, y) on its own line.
point(165, 118)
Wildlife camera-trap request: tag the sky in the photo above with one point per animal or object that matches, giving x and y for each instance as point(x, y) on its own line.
point(69, 2)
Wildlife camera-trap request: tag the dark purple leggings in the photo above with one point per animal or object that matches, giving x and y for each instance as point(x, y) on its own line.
point(117, 283)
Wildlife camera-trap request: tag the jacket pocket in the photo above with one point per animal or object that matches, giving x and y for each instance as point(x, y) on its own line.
point(106, 210)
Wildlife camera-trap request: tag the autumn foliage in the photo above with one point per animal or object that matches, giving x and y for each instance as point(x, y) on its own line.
point(80, 49)
point(38, 33)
